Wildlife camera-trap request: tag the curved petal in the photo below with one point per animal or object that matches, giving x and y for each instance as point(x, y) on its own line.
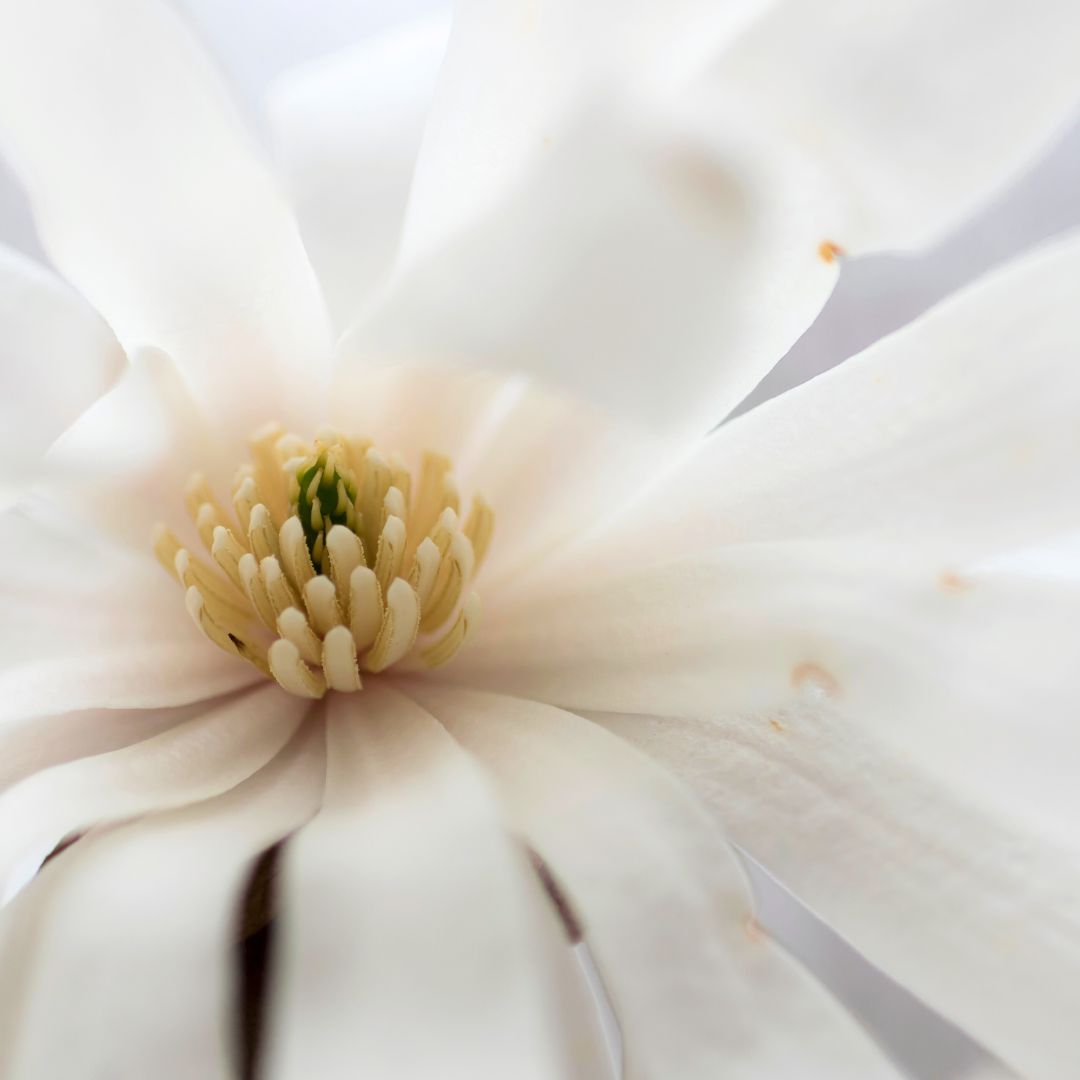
point(514, 73)
point(698, 990)
point(123, 466)
point(155, 903)
point(653, 264)
point(347, 130)
point(956, 435)
point(58, 357)
point(961, 904)
point(89, 625)
point(908, 106)
point(546, 463)
point(195, 760)
point(404, 899)
point(937, 661)
point(39, 742)
point(151, 200)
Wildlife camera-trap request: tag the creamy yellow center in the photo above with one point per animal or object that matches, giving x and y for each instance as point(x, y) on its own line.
point(334, 563)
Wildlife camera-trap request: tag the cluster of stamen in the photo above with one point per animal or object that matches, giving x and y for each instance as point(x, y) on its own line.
point(334, 563)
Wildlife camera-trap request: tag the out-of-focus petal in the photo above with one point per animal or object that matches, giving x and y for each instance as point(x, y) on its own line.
point(196, 760)
point(56, 357)
point(89, 625)
point(347, 130)
point(404, 899)
point(698, 989)
point(958, 901)
point(514, 73)
point(157, 904)
point(957, 433)
point(152, 200)
point(917, 110)
point(656, 266)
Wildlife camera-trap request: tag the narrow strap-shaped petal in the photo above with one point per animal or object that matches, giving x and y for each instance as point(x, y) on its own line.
point(698, 988)
point(58, 357)
point(156, 904)
point(405, 902)
point(962, 904)
point(151, 198)
point(347, 130)
point(196, 760)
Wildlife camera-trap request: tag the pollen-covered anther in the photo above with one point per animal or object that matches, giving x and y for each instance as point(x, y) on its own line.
point(334, 563)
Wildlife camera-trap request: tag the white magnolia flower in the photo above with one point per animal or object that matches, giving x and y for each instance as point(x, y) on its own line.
point(798, 615)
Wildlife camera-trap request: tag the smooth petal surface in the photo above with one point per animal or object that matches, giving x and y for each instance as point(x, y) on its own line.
point(90, 625)
point(937, 662)
point(512, 75)
point(654, 264)
point(698, 989)
point(956, 434)
point(57, 357)
point(961, 904)
point(911, 107)
point(404, 899)
point(195, 760)
point(157, 904)
point(347, 131)
point(151, 200)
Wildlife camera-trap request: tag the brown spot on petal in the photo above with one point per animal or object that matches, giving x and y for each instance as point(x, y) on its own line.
point(754, 930)
point(775, 724)
point(951, 581)
point(809, 675)
point(829, 252)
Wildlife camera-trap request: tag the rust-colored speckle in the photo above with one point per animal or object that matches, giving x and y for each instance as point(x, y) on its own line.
point(830, 252)
point(951, 581)
point(754, 930)
point(809, 675)
point(775, 724)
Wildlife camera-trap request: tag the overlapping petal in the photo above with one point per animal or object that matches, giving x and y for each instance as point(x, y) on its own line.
point(200, 758)
point(158, 896)
point(91, 625)
point(697, 988)
point(962, 903)
point(644, 255)
point(915, 109)
point(347, 129)
point(151, 200)
point(405, 899)
point(58, 357)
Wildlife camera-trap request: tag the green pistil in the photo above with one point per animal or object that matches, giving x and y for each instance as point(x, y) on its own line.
point(325, 496)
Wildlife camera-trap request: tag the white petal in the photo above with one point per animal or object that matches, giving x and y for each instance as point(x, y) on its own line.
point(962, 905)
point(123, 466)
point(957, 434)
point(937, 661)
point(698, 989)
point(347, 130)
point(36, 743)
point(546, 463)
point(195, 760)
point(155, 904)
point(151, 199)
point(512, 75)
point(406, 903)
point(654, 265)
point(58, 356)
point(912, 107)
point(89, 625)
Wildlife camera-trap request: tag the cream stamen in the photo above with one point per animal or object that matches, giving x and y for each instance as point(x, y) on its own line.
point(335, 561)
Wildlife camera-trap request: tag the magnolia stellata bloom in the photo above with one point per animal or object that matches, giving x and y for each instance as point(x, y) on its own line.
point(797, 632)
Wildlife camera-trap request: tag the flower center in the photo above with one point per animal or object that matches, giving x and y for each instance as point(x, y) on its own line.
point(335, 562)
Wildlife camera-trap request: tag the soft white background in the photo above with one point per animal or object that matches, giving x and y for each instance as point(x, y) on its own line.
point(255, 42)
